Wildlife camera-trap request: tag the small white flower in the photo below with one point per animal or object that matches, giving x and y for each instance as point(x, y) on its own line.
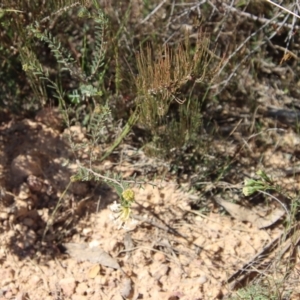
point(115, 207)
point(120, 216)
point(112, 217)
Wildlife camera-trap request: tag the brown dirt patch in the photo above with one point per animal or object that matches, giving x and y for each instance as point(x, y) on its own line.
point(170, 252)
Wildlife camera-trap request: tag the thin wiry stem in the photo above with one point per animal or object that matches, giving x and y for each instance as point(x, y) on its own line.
point(285, 9)
point(282, 204)
point(261, 19)
point(154, 11)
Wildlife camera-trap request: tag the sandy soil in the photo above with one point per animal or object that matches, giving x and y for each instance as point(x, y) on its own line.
point(66, 246)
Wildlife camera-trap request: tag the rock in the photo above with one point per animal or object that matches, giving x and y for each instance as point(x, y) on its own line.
point(7, 276)
point(80, 188)
point(24, 165)
point(68, 286)
point(35, 281)
point(28, 238)
point(51, 117)
point(158, 256)
point(160, 271)
point(202, 279)
point(3, 215)
point(21, 296)
point(81, 288)
point(28, 222)
point(35, 184)
point(24, 192)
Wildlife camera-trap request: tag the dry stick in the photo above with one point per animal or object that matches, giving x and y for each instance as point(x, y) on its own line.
point(260, 19)
point(106, 178)
point(162, 227)
point(154, 11)
point(224, 21)
point(283, 8)
point(63, 9)
point(186, 11)
point(244, 43)
point(170, 17)
point(294, 21)
point(285, 50)
point(225, 82)
point(147, 248)
point(266, 264)
point(256, 260)
point(278, 201)
point(51, 219)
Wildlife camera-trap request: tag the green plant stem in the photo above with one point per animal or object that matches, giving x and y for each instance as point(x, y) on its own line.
point(51, 219)
point(130, 123)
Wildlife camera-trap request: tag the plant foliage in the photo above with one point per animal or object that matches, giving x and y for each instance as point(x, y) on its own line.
point(76, 80)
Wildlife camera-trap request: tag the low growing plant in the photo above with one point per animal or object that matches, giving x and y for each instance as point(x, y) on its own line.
point(75, 82)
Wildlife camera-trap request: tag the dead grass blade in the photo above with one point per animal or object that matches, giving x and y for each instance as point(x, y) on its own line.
point(262, 260)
